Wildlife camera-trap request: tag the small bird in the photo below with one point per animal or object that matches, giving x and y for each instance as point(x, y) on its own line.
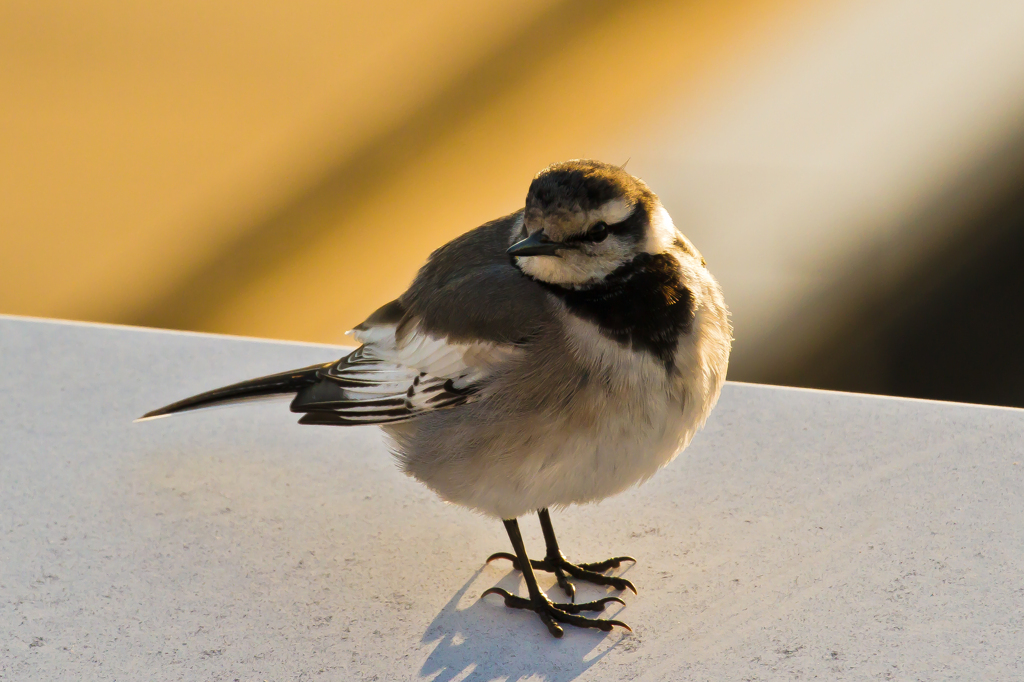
point(556, 356)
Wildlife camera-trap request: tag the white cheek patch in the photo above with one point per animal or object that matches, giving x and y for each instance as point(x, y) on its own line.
point(549, 269)
point(614, 211)
point(571, 270)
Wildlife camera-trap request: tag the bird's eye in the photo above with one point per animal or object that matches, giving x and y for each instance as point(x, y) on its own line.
point(597, 232)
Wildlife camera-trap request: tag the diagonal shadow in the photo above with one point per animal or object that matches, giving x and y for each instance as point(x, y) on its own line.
point(493, 642)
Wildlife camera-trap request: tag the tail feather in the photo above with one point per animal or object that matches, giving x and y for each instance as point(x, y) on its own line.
point(274, 384)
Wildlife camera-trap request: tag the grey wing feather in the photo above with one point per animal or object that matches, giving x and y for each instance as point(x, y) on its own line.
point(468, 311)
point(469, 289)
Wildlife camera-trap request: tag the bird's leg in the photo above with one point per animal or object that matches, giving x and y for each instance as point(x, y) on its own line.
point(550, 613)
point(555, 562)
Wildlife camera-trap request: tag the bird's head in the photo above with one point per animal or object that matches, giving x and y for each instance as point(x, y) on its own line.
point(584, 219)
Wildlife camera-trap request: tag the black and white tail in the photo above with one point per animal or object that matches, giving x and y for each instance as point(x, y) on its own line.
point(274, 384)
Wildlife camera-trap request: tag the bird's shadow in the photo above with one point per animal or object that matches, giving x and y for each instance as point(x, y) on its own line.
point(495, 642)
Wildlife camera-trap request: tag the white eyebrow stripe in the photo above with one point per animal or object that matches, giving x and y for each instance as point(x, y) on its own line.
point(614, 211)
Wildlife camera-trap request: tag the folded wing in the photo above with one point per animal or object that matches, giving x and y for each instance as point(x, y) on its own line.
point(467, 314)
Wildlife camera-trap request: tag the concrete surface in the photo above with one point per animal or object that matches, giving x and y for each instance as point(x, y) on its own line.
point(805, 535)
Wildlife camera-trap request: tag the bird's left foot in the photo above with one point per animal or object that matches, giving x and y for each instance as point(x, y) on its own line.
point(563, 570)
point(552, 614)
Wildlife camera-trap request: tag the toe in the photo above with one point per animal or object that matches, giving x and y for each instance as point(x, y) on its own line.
point(553, 627)
point(601, 566)
point(589, 606)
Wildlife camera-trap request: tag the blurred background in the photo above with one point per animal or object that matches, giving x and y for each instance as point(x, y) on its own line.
point(853, 171)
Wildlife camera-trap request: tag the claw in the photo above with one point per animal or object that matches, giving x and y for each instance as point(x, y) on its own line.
point(619, 623)
point(497, 590)
point(502, 555)
point(627, 585)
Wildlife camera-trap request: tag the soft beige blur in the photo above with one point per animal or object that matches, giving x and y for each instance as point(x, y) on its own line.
point(144, 143)
point(282, 170)
point(142, 139)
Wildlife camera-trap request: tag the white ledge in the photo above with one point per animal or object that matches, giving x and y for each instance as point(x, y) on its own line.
point(804, 534)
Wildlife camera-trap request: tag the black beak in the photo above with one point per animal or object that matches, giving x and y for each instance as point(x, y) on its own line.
point(537, 244)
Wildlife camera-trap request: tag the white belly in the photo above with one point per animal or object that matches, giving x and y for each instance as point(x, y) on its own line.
point(633, 419)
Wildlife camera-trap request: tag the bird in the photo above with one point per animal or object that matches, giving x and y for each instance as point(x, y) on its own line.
point(552, 357)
